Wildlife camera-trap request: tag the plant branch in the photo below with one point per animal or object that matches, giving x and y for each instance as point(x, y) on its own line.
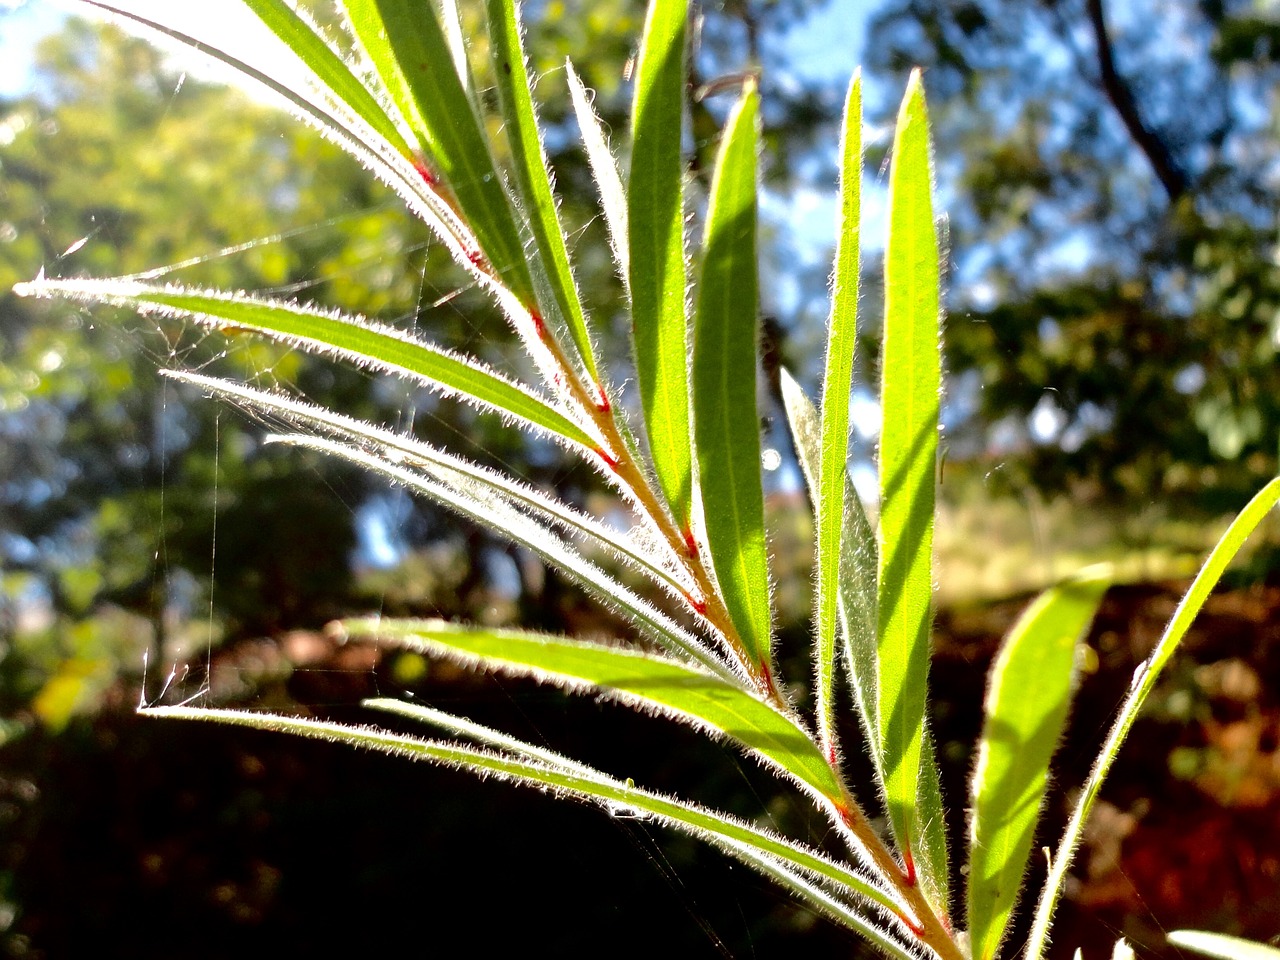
point(932, 930)
point(1170, 173)
point(710, 606)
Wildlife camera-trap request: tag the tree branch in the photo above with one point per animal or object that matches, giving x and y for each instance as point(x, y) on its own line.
point(1172, 177)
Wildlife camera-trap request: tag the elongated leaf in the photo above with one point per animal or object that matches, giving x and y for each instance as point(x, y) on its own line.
point(355, 339)
point(1221, 946)
point(476, 502)
point(604, 170)
point(462, 727)
point(726, 420)
point(877, 934)
point(1029, 692)
point(521, 125)
point(857, 609)
point(841, 337)
point(405, 43)
point(451, 23)
point(567, 779)
point(638, 679)
point(908, 455)
point(655, 236)
point(858, 553)
point(630, 548)
point(1144, 682)
point(932, 855)
point(794, 872)
point(301, 37)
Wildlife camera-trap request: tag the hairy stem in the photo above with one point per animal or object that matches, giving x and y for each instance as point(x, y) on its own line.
point(932, 931)
point(709, 605)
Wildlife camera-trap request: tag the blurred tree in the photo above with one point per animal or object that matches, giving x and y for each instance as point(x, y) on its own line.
point(1112, 189)
point(109, 479)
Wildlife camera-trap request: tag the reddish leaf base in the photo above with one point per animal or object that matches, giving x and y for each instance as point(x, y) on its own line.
point(690, 542)
point(698, 604)
point(423, 171)
point(766, 677)
point(908, 863)
point(539, 325)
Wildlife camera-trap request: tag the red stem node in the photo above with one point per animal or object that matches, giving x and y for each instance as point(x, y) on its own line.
point(911, 925)
point(539, 325)
point(908, 861)
point(424, 171)
point(690, 541)
point(766, 674)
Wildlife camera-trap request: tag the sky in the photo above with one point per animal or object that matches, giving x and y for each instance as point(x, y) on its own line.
point(224, 23)
point(824, 46)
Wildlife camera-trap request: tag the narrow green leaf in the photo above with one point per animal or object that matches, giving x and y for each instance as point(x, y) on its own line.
point(726, 419)
point(837, 381)
point(565, 778)
point(655, 237)
point(1029, 691)
point(477, 502)
point(1144, 682)
point(301, 36)
point(462, 727)
point(355, 339)
point(877, 933)
point(908, 455)
point(1221, 946)
point(451, 22)
point(604, 170)
point(646, 556)
point(405, 43)
point(858, 553)
point(794, 871)
point(637, 679)
point(857, 609)
point(931, 814)
point(521, 124)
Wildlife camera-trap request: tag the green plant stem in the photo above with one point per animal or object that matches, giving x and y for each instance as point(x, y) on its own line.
point(637, 483)
point(932, 931)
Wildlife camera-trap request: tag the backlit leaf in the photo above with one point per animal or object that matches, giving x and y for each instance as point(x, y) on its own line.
point(655, 225)
point(604, 170)
point(301, 37)
point(725, 416)
point(1028, 695)
point(521, 125)
point(568, 779)
point(478, 502)
point(908, 455)
point(1144, 681)
point(829, 496)
point(355, 339)
point(638, 679)
point(406, 44)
